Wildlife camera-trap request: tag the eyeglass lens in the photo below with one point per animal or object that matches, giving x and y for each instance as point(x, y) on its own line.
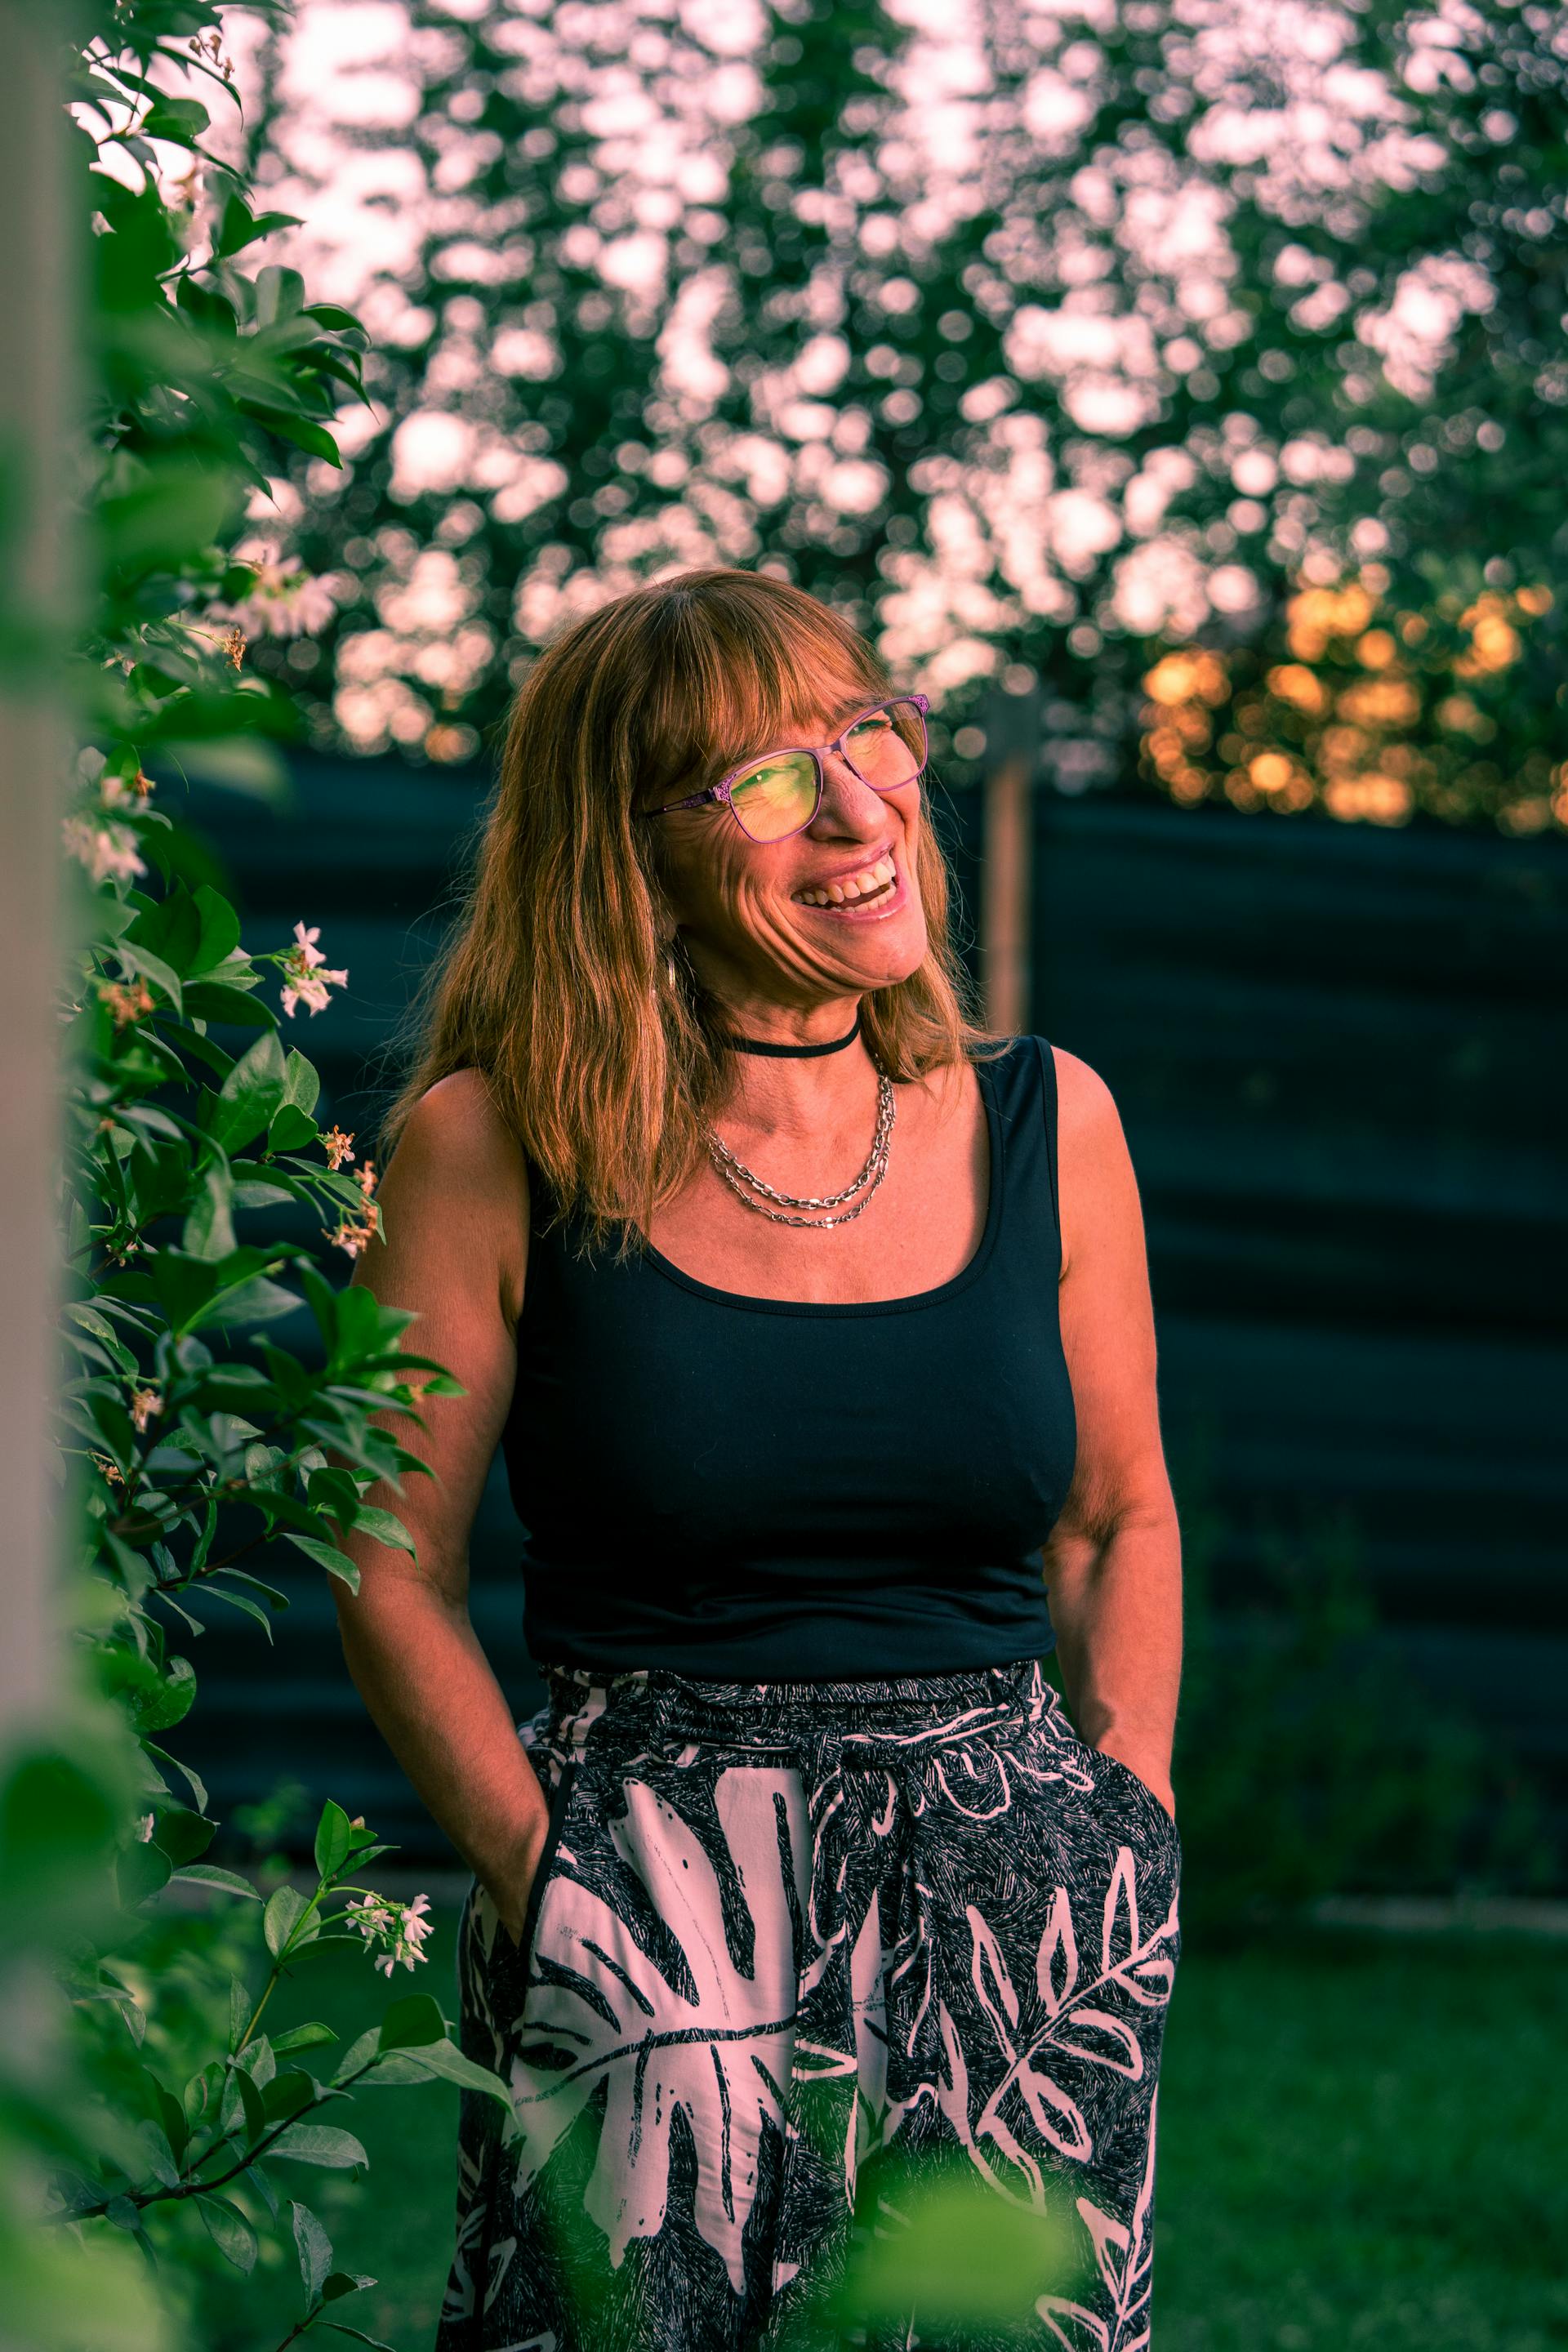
point(778, 797)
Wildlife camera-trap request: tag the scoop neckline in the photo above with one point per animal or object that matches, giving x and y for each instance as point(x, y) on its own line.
point(848, 1306)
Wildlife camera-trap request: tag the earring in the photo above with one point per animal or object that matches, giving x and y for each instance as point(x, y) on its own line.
point(670, 967)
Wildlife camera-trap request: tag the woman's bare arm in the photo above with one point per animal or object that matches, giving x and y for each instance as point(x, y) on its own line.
point(1113, 1564)
point(455, 1213)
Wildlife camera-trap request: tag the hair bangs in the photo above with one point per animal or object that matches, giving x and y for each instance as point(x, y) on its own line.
point(731, 670)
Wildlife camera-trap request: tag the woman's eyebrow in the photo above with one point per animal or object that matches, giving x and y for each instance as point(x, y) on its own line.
point(843, 710)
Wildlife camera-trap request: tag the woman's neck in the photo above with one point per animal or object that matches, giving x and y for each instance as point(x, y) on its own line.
point(805, 1095)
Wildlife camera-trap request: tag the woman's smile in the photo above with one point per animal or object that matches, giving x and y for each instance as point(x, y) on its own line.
point(864, 892)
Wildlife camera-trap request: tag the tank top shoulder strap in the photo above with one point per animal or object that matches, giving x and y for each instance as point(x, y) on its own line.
point(1023, 1082)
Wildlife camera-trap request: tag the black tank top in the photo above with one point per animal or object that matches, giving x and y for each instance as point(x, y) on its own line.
point(759, 1489)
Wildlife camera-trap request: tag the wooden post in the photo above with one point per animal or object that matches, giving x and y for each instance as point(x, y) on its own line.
point(1012, 725)
point(36, 279)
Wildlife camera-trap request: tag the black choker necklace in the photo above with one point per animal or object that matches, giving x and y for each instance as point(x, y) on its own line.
point(793, 1053)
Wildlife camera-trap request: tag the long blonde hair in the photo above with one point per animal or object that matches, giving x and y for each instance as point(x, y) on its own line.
point(559, 982)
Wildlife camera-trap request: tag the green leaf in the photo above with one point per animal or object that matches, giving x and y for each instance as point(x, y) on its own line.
point(303, 1080)
point(303, 2037)
point(358, 2054)
point(304, 433)
point(152, 968)
point(249, 1095)
point(328, 314)
point(386, 1528)
point(359, 2335)
point(227, 1882)
point(198, 1787)
point(182, 1834)
point(92, 1321)
point(340, 2284)
point(249, 1192)
point(208, 309)
point(280, 294)
point(290, 2093)
point(334, 1841)
point(166, 1698)
point(214, 1587)
point(181, 119)
point(219, 934)
point(186, 1285)
point(252, 2105)
point(212, 1000)
point(176, 2129)
point(257, 1301)
point(229, 2231)
point(282, 1916)
point(336, 1563)
point(195, 1291)
point(320, 2144)
point(442, 2059)
point(315, 2250)
point(208, 1230)
point(240, 227)
point(158, 2153)
point(412, 2023)
point(293, 1128)
point(171, 929)
point(268, 1593)
point(179, 510)
point(257, 2179)
point(140, 1872)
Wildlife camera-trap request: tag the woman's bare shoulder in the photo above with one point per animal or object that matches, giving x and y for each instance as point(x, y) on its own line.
point(455, 1129)
point(1086, 1108)
point(457, 1165)
point(1096, 1186)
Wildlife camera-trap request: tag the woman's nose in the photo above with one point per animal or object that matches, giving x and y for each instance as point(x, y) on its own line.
point(849, 804)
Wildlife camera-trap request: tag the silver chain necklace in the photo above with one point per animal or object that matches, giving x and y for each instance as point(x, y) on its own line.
point(739, 1177)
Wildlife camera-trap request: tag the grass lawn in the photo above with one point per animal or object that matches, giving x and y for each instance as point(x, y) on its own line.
point(1364, 2141)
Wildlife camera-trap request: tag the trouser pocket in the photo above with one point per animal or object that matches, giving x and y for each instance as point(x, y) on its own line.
point(1137, 1789)
point(560, 1799)
point(499, 1968)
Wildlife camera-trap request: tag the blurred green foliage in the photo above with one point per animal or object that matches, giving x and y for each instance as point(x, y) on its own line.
point(148, 2121)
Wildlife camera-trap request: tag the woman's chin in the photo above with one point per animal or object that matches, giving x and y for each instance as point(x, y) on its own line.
point(879, 950)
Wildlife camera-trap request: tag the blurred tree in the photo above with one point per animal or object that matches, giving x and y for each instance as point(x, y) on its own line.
point(1045, 340)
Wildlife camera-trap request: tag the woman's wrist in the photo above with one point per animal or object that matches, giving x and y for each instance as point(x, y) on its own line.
point(1151, 1766)
point(507, 1877)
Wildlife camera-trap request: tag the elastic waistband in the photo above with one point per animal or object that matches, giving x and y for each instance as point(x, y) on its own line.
point(779, 1715)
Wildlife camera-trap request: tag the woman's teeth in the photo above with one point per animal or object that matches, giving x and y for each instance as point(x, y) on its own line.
point(865, 885)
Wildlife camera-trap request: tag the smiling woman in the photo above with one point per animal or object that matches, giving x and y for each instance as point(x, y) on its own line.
point(803, 1885)
point(670, 696)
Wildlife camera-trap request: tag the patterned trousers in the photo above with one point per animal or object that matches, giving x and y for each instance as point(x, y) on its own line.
point(801, 1958)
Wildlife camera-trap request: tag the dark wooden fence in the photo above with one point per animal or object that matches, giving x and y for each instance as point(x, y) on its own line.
point(1339, 1058)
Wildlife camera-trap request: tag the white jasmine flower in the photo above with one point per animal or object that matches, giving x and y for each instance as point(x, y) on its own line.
point(401, 1928)
point(306, 980)
point(106, 850)
point(283, 602)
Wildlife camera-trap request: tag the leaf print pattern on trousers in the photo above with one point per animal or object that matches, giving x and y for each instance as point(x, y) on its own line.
point(795, 1940)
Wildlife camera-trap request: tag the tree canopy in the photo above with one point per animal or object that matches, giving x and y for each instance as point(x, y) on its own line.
point(1051, 342)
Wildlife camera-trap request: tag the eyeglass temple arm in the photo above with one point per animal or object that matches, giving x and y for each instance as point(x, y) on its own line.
point(693, 800)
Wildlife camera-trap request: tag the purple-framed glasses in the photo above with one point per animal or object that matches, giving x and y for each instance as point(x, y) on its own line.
point(779, 795)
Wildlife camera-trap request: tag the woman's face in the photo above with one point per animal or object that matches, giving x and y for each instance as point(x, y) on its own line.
point(759, 919)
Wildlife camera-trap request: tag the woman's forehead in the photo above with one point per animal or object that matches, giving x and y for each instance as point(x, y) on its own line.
point(807, 709)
